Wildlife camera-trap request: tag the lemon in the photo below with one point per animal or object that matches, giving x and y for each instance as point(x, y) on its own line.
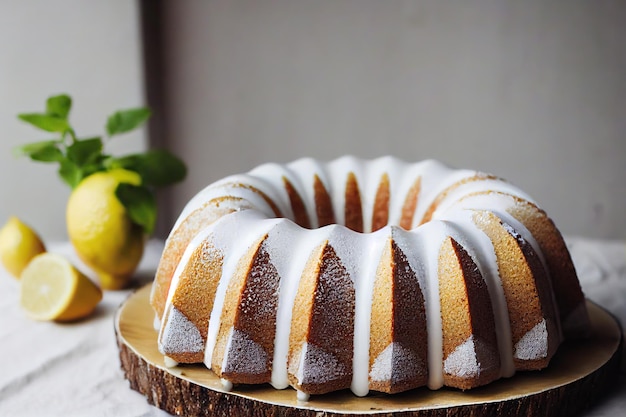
point(100, 229)
point(53, 289)
point(18, 245)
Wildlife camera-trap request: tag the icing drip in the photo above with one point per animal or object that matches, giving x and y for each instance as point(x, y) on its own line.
point(169, 362)
point(226, 384)
point(430, 237)
point(370, 247)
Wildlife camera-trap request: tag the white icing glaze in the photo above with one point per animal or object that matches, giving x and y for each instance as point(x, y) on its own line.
point(289, 246)
point(429, 239)
point(369, 249)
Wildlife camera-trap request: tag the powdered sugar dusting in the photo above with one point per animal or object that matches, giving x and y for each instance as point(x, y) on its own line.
point(534, 344)
point(383, 365)
point(462, 361)
point(180, 335)
point(318, 366)
point(244, 355)
point(396, 363)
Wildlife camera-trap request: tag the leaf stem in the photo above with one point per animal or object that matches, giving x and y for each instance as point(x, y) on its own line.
point(72, 135)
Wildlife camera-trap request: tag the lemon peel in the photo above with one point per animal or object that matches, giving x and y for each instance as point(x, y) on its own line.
point(18, 245)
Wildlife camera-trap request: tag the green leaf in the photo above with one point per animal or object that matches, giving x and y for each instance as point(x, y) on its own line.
point(49, 154)
point(85, 151)
point(156, 167)
point(124, 121)
point(140, 204)
point(70, 173)
point(45, 122)
point(44, 151)
point(59, 106)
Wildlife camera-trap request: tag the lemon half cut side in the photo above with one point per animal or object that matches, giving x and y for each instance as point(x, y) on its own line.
point(53, 289)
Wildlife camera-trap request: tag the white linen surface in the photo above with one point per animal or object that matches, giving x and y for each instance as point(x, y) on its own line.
point(73, 369)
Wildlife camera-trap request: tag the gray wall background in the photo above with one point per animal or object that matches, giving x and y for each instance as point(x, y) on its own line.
point(532, 91)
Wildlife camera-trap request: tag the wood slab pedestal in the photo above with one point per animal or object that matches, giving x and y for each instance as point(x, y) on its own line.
point(577, 377)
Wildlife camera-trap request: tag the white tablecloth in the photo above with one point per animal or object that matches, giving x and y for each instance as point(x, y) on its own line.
point(73, 369)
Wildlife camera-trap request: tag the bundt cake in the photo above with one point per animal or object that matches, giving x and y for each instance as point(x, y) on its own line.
point(370, 275)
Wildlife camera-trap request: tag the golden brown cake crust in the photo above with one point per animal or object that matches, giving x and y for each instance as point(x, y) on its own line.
point(248, 323)
point(179, 239)
point(353, 212)
point(328, 330)
point(196, 294)
point(380, 217)
point(410, 204)
point(301, 216)
point(323, 204)
point(466, 312)
point(565, 283)
point(526, 287)
point(399, 318)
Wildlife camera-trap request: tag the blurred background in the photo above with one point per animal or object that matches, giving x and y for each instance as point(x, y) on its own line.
point(532, 91)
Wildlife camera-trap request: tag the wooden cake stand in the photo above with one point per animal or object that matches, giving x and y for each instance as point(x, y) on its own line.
point(578, 375)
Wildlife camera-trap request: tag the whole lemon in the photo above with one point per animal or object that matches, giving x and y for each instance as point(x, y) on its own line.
point(100, 229)
point(18, 245)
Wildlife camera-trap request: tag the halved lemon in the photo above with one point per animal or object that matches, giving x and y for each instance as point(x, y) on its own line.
point(53, 289)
